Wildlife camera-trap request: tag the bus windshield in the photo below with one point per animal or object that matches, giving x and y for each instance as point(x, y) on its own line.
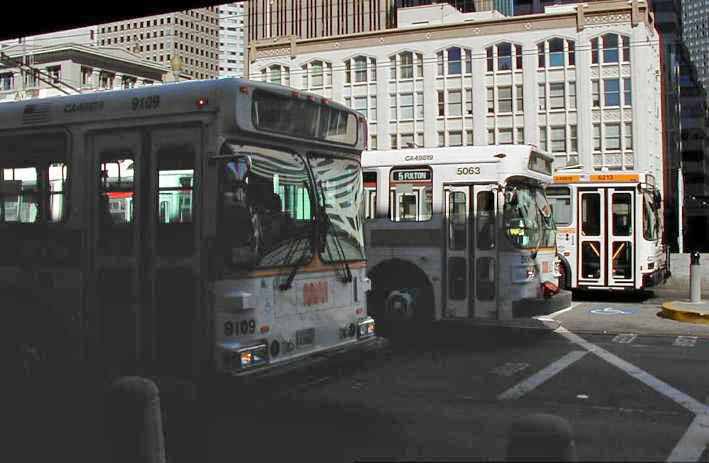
point(528, 220)
point(339, 184)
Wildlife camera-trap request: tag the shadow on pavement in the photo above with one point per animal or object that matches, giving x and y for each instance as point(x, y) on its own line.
point(613, 296)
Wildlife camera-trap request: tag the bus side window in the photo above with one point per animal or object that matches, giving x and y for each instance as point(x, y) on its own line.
point(175, 184)
point(20, 194)
point(486, 220)
point(370, 194)
point(116, 201)
point(58, 172)
point(560, 201)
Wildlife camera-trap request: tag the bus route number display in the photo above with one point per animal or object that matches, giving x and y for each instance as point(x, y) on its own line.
point(411, 176)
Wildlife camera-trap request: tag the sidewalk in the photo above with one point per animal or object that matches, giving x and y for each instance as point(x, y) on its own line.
point(676, 306)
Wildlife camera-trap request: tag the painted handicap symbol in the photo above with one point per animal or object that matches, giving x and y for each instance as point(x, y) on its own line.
point(612, 311)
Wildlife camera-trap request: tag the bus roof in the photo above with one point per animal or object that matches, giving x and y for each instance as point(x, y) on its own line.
point(446, 155)
point(172, 98)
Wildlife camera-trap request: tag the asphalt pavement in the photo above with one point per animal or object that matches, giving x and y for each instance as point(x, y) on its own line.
point(633, 385)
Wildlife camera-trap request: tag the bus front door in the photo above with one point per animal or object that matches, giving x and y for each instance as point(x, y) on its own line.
point(146, 272)
point(591, 249)
point(620, 250)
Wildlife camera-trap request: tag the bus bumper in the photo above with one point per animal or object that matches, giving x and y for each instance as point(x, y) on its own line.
point(532, 307)
point(655, 278)
point(308, 361)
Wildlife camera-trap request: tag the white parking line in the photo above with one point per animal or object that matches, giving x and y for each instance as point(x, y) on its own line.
point(694, 442)
point(625, 338)
point(517, 391)
point(663, 388)
point(559, 312)
point(685, 341)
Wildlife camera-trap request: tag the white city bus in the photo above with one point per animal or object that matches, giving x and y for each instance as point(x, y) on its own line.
point(461, 233)
point(609, 230)
point(185, 229)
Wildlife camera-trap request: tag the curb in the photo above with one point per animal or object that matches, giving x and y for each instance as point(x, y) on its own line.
point(669, 310)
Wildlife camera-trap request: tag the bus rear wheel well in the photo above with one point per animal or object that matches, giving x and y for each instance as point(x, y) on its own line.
point(398, 275)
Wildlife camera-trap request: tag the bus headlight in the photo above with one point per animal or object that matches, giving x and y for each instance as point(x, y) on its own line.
point(252, 356)
point(365, 328)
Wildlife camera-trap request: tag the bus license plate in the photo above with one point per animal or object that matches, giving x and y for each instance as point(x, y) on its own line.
point(305, 337)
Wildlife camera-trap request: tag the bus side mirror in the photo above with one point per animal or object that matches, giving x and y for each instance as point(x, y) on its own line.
point(238, 169)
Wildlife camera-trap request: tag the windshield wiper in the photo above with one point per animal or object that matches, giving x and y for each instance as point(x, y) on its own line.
point(347, 278)
point(291, 251)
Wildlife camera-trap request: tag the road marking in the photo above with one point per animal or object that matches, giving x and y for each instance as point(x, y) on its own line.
point(559, 312)
point(694, 441)
point(612, 311)
point(625, 338)
point(685, 341)
point(663, 388)
point(509, 368)
point(517, 391)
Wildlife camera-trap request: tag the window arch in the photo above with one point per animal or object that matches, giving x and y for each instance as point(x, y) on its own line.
point(276, 74)
point(360, 69)
point(406, 65)
point(317, 74)
point(556, 52)
point(454, 61)
point(504, 56)
point(610, 48)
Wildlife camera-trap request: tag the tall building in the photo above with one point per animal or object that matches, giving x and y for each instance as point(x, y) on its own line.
point(306, 19)
point(232, 20)
point(187, 40)
point(695, 19)
point(581, 81)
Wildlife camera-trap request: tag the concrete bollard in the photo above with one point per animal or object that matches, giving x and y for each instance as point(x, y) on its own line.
point(695, 279)
point(133, 422)
point(541, 437)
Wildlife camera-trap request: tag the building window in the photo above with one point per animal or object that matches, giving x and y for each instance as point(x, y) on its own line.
point(469, 137)
point(490, 100)
point(542, 97)
point(441, 139)
point(441, 103)
point(612, 137)
point(392, 107)
point(407, 61)
point(572, 95)
point(86, 74)
point(128, 82)
point(419, 106)
point(373, 142)
point(406, 106)
point(556, 95)
point(504, 57)
point(608, 47)
point(504, 136)
point(628, 136)
point(595, 94)
point(504, 99)
point(455, 103)
point(543, 137)
point(596, 137)
point(611, 92)
point(468, 101)
point(317, 74)
point(7, 81)
point(573, 139)
point(393, 141)
point(519, 98)
point(627, 92)
point(520, 135)
point(407, 140)
point(558, 139)
point(454, 58)
point(406, 65)
point(276, 74)
point(55, 72)
point(455, 138)
point(106, 80)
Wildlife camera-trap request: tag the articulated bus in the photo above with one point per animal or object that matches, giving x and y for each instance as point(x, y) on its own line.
point(204, 228)
point(460, 233)
point(609, 230)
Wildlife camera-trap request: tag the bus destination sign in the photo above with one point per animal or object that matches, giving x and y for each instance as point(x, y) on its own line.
point(420, 175)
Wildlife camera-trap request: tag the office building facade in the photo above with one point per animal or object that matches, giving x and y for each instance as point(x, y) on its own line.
point(232, 34)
